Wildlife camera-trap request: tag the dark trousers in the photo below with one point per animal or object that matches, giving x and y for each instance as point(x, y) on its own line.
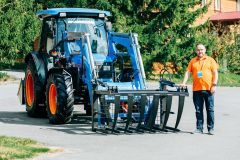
point(199, 98)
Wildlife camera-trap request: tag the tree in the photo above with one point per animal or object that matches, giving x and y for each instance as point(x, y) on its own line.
point(18, 28)
point(227, 46)
point(169, 33)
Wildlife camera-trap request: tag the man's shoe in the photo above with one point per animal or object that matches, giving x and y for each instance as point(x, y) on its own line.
point(211, 132)
point(198, 131)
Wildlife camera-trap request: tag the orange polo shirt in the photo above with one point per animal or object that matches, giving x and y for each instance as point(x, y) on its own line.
point(201, 69)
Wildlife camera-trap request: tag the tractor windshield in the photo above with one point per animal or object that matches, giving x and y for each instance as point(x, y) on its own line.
point(96, 29)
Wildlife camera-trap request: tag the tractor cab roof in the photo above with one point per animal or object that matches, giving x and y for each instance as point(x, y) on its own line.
point(72, 12)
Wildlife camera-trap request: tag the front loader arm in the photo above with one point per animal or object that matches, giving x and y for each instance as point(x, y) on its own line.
point(131, 43)
point(88, 77)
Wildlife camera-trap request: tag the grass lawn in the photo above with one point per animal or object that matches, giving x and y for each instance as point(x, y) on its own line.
point(19, 148)
point(4, 77)
point(229, 79)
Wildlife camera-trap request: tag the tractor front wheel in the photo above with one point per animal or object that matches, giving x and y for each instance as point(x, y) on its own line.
point(60, 98)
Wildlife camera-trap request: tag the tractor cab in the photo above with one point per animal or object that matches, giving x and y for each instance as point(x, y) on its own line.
point(60, 23)
point(61, 30)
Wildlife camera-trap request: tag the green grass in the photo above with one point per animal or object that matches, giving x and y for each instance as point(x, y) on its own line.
point(4, 77)
point(19, 148)
point(14, 66)
point(229, 79)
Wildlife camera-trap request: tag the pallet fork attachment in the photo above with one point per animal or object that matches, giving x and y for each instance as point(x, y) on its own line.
point(147, 110)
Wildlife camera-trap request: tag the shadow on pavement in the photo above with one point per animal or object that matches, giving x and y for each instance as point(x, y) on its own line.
point(80, 123)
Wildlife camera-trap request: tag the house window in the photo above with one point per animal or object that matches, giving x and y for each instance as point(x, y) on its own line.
point(238, 5)
point(204, 2)
point(217, 5)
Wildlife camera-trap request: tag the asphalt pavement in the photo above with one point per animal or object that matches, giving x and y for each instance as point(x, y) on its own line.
point(78, 141)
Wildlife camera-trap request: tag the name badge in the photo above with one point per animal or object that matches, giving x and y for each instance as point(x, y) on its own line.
point(199, 74)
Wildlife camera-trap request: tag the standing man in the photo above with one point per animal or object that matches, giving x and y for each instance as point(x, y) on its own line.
point(205, 76)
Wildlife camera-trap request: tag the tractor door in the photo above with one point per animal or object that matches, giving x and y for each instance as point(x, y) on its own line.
point(48, 38)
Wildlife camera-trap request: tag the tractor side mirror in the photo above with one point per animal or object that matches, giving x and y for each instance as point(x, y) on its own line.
point(108, 26)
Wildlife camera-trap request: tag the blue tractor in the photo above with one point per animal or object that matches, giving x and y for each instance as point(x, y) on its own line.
point(79, 60)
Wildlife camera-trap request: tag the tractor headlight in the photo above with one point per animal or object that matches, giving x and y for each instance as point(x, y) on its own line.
point(106, 68)
point(62, 14)
point(101, 15)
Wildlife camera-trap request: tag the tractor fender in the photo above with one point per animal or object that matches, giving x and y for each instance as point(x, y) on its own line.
point(55, 70)
point(40, 61)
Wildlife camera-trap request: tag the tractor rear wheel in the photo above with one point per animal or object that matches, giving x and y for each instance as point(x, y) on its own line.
point(34, 92)
point(60, 99)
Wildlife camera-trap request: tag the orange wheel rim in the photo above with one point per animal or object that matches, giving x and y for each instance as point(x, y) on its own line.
point(29, 89)
point(52, 98)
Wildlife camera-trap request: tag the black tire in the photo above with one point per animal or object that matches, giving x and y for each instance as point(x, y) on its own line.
point(60, 98)
point(34, 92)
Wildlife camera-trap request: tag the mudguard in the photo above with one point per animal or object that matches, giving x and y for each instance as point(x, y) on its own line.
point(21, 92)
point(40, 61)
